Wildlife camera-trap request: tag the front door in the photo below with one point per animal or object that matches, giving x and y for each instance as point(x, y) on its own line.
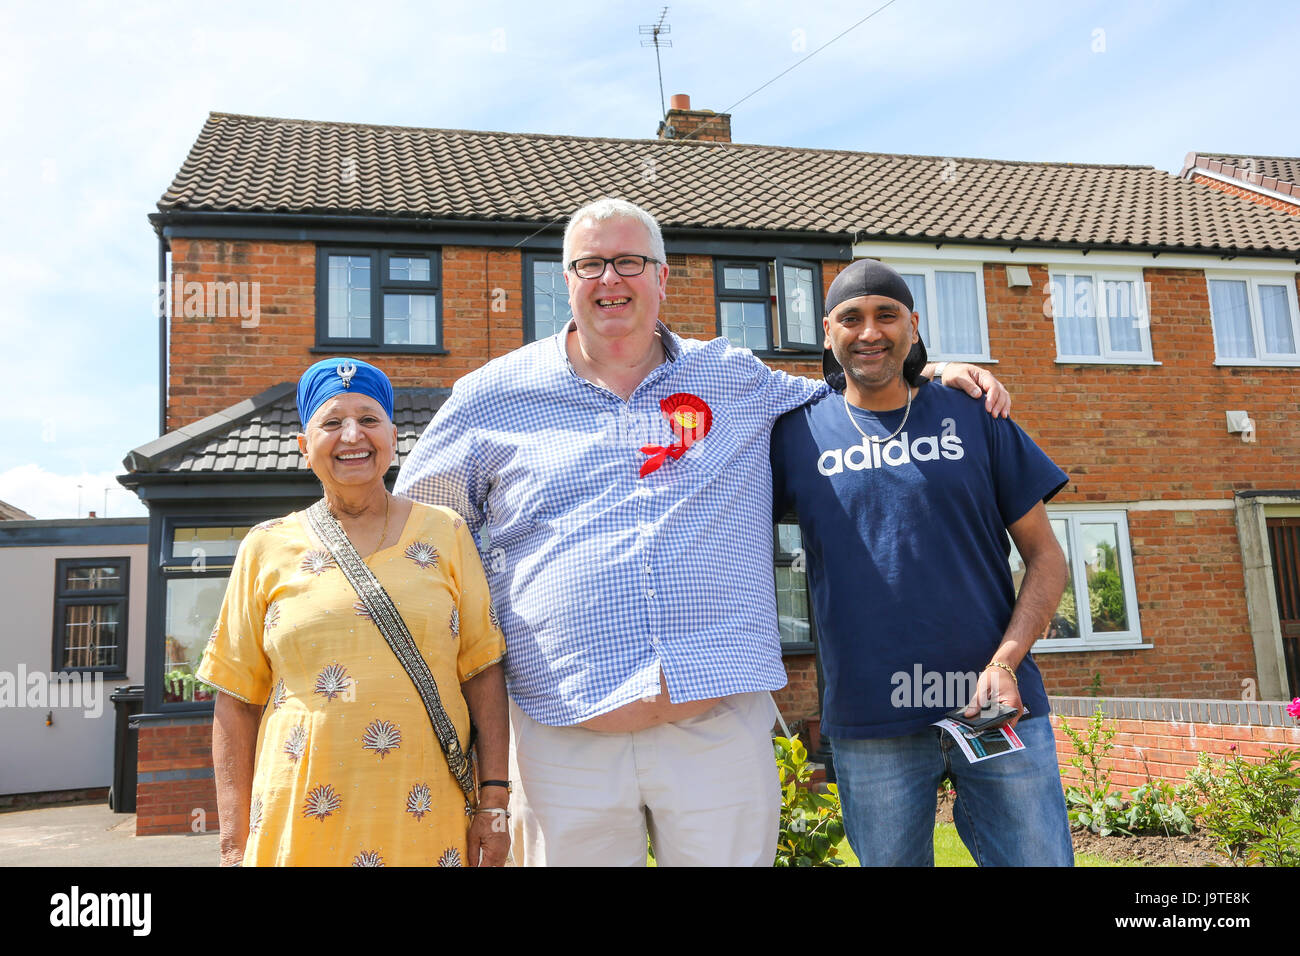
point(1284, 543)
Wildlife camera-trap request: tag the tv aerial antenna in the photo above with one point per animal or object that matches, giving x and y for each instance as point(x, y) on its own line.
point(655, 32)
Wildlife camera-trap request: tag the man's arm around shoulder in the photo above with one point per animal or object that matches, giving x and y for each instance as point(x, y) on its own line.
point(975, 381)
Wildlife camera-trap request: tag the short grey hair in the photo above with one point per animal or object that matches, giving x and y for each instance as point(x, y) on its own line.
point(611, 208)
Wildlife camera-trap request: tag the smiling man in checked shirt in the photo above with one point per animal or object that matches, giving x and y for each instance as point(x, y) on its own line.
point(620, 477)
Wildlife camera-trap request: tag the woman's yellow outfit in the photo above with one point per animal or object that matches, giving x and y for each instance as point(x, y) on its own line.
point(349, 771)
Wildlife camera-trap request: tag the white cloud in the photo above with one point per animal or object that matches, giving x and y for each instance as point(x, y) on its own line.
point(44, 494)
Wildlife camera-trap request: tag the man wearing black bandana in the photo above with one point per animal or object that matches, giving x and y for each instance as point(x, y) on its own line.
point(905, 494)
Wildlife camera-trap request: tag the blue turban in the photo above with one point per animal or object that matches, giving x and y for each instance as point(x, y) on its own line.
point(334, 376)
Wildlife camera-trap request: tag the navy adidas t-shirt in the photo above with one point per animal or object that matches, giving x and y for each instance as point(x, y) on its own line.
point(907, 551)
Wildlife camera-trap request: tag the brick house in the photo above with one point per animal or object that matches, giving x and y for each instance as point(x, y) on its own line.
point(1129, 311)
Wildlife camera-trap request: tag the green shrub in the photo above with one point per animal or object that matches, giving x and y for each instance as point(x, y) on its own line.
point(811, 825)
point(1092, 803)
point(1155, 807)
point(1251, 809)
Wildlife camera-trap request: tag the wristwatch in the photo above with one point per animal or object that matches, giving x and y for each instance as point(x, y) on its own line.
point(938, 371)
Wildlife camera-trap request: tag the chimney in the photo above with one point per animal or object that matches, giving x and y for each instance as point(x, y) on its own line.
point(683, 122)
point(91, 515)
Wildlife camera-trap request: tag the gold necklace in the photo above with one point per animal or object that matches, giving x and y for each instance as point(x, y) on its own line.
point(907, 410)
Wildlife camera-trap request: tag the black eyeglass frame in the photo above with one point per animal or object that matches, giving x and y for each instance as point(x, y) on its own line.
point(606, 263)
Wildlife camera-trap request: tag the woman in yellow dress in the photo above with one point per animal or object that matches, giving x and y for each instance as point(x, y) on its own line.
point(324, 747)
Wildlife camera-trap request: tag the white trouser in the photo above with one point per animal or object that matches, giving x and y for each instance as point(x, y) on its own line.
point(706, 788)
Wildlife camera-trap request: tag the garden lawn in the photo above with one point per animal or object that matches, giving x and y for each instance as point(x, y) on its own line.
point(950, 851)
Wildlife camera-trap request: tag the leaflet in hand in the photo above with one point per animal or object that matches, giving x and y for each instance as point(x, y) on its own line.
point(982, 746)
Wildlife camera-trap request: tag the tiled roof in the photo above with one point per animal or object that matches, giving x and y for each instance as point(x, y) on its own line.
point(1278, 173)
point(260, 435)
point(259, 165)
point(9, 513)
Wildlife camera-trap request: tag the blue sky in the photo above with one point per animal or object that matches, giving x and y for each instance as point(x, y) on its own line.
point(103, 100)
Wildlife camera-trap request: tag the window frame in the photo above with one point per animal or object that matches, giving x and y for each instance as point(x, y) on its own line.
point(788, 559)
point(380, 284)
point(761, 295)
point(932, 337)
point(64, 599)
point(1088, 640)
point(1253, 281)
point(1105, 354)
point(172, 568)
point(770, 294)
point(530, 307)
point(784, 343)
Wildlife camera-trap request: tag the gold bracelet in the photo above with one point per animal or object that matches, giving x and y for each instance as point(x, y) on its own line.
point(1005, 668)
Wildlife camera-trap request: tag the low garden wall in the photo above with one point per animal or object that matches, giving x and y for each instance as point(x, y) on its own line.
point(175, 788)
point(1160, 738)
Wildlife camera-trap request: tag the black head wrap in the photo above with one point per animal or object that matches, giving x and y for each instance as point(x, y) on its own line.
point(869, 277)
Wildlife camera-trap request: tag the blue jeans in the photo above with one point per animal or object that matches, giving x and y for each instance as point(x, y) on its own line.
point(1009, 811)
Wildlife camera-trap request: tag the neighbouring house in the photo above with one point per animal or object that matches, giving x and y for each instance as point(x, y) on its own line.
point(1269, 180)
point(1147, 326)
point(9, 513)
point(74, 630)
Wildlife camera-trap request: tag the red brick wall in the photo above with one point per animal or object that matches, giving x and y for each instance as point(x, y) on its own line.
point(215, 362)
point(169, 805)
point(1169, 747)
point(1191, 603)
point(1126, 432)
point(1245, 193)
point(798, 700)
point(700, 125)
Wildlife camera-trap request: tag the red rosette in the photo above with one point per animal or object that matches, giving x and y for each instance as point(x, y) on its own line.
point(690, 418)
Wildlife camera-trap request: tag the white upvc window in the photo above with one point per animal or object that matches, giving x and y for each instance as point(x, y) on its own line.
point(950, 302)
point(1100, 317)
point(1098, 609)
point(1255, 319)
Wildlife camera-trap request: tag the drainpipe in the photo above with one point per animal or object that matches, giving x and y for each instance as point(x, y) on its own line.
point(164, 296)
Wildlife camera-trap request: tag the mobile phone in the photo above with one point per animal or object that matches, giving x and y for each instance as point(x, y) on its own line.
point(984, 719)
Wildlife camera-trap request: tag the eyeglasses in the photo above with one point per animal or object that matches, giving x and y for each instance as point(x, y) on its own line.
point(594, 266)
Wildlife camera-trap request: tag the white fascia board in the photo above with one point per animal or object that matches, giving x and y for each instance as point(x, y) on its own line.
point(1097, 259)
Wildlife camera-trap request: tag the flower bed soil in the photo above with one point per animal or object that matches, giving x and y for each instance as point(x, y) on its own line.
point(1193, 849)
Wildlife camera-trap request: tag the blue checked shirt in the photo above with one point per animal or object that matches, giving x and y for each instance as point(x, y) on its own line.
point(601, 578)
